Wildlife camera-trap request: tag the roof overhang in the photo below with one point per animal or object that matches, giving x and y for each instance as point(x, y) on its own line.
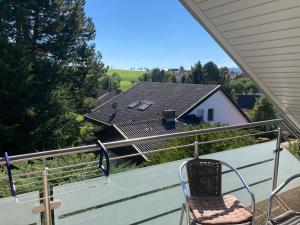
point(262, 37)
point(94, 120)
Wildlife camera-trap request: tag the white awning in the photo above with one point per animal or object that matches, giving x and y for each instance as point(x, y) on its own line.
point(263, 38)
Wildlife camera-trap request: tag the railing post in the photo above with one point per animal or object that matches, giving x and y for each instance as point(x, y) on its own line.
point(46, 197)
point(276, 161)
point(196, 148)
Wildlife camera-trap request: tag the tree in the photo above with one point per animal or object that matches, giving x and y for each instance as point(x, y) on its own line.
point(157, 75)
point(111, 82)
point(145, 77)
point(49, 74)
point(212, 73)
point(225, 81)
point(294, 148)
point(263, 110)
point(173, 78)
point(197, 74)
point(243, 86)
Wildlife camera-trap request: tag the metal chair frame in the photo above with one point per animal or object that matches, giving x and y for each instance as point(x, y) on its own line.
point(273, 194)
point(186, 207)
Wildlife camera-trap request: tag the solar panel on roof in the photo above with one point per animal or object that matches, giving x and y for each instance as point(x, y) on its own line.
point(132, 105)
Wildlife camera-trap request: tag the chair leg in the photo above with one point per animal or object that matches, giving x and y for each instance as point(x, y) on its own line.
point(182, 214)
point(184, 208)
point(190, 221)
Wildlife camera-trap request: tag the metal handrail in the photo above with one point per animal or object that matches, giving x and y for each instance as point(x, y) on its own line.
point(115, 144)
point(121, 157)
point(144, 153)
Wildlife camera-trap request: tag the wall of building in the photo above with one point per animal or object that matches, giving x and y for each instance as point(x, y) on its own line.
point(225, 111)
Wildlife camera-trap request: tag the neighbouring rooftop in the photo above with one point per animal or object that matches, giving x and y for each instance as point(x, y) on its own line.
point(247, 101)
point(148, 128)
point(147, 100)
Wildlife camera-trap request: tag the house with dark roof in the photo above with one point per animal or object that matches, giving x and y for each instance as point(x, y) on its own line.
point(151, 108)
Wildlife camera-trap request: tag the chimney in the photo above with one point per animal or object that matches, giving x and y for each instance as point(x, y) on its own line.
point(168, 116)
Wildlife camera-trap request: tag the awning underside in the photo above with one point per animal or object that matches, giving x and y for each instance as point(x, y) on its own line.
point(263, 38)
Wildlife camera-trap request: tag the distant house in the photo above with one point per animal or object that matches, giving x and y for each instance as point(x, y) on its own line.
point(151, 108)
point(230, 75)
point(176, 70)
point(179, 73)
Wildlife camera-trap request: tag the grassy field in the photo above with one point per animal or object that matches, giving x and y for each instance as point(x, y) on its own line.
point(128, 77)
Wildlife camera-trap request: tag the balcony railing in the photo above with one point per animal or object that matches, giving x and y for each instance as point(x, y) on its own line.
point(148, 195)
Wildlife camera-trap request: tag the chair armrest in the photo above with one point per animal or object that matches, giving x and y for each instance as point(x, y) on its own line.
point(245, 185)
point(184, 189)
point(182, 182)
point(278, 189)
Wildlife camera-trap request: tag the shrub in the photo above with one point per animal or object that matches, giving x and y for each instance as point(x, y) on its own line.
point(185, 152)
point(294, 148)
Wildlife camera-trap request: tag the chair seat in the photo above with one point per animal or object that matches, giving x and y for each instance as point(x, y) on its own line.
point(219, 210)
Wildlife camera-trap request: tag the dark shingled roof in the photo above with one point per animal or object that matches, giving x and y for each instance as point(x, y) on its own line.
point(105, 96)
point(247, 101)
point(161, 96)
point(148, 128)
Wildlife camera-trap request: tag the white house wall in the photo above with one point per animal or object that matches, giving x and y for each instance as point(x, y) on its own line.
point(224, 111)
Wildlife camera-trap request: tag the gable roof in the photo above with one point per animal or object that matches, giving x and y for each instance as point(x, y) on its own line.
point(206, 97)
point(147, 128)
point(158, 96)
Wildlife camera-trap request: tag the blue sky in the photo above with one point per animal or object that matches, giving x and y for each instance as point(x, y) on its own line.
point(151, 33)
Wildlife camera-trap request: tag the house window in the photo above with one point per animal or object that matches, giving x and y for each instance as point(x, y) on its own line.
point(210, 115)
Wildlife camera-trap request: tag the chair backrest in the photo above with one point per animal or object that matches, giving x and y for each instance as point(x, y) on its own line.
point(204, 176)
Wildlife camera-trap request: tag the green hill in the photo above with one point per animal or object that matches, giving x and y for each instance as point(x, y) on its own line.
point(129, 77)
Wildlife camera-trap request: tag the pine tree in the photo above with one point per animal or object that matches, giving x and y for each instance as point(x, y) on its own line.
point(212, 73)
point(263, 110)
point(49, 73)
point(197, 74)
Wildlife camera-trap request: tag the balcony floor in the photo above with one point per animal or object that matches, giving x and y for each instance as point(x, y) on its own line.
point(291, 197)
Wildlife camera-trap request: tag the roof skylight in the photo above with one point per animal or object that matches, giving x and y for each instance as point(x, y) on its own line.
point(133, 104)
point(145, 104)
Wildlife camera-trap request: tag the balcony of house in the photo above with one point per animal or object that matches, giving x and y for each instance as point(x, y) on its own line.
point(84, 194)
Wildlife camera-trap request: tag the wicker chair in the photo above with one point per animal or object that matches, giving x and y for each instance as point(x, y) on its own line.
point(205, 203)
point(289, 217)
